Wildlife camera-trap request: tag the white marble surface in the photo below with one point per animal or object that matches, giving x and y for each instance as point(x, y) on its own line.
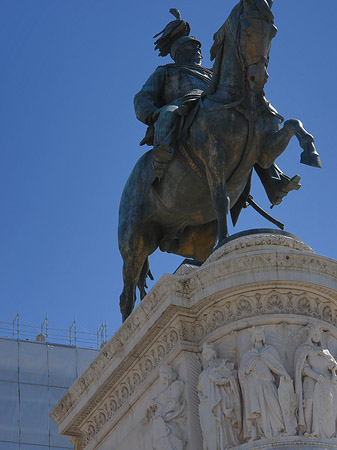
point(273, 282)
point(219, 402)
point(316, 386)
point(262, 402)
point(167, 413)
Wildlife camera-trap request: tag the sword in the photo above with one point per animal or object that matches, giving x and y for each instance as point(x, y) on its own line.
point(263, 213)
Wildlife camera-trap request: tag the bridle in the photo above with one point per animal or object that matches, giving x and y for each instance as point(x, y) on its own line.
point(256, 59)
point(234, 34)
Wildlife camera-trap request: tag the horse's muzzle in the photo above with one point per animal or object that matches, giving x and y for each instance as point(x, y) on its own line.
point(257, 76)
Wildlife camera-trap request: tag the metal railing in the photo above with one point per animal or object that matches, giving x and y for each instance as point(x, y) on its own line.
point(76, 335)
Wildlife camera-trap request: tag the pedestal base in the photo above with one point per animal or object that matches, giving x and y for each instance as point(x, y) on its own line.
point(147, 387)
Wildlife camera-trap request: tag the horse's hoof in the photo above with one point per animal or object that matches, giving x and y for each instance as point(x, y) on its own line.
point(310, 157)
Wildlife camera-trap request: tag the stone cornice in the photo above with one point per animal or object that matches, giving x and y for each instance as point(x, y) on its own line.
point(299, 442)
point(250, 277)
point(259, 241)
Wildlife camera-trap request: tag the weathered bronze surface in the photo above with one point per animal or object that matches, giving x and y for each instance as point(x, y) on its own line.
point(209, 129)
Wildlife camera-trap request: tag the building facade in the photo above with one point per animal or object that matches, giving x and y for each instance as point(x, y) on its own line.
point(33, 378)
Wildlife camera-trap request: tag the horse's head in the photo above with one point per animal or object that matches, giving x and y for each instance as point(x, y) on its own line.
point(256, 31)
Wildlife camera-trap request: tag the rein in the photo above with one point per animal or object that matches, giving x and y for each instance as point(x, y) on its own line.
point(220, 108)
point(233, 34)
point(257, 60)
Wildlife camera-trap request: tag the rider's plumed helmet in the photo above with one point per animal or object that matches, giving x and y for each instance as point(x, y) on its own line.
point(174, 35)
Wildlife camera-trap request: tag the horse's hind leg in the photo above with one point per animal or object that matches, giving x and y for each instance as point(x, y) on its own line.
point(145, 272)
point(135, 251)
point(128, 296)
point(132, 268)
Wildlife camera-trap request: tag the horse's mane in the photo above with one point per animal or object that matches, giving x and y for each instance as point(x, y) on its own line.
point(230, 27)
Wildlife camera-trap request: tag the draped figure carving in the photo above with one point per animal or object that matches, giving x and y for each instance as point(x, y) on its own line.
point(167, 413)
point(316, 387)
point(220, 404)
point(262, 402)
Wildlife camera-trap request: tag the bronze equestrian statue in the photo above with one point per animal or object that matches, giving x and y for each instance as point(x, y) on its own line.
point(209, 129)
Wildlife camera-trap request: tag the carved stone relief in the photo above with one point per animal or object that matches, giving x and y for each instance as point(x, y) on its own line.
point(220, 402)
point(316, 387)
point(263, 402)
point(262, 303)
point(246, 390)
point(167, 413)
point(271, 408)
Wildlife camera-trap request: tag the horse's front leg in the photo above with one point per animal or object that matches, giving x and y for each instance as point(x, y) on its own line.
point(277, 142)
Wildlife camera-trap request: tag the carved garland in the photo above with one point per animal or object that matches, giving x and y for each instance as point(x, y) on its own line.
point(257, 304)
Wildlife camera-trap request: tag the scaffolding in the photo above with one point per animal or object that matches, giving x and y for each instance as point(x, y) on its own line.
point(34, 376)
point(76, 335)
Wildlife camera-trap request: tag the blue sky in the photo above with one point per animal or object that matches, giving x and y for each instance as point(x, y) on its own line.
point(69, 139)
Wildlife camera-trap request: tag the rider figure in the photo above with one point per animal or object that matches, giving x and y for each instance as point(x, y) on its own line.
point(162, 100)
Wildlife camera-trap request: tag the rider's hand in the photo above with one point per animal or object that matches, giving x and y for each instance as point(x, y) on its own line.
point(155, 115)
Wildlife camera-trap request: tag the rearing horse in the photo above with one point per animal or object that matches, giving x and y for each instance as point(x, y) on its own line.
point(233, 128)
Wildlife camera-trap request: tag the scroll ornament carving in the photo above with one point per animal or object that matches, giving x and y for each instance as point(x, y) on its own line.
point(316, 387)
point(77, 442)
point(220, 404)
point(167, 413)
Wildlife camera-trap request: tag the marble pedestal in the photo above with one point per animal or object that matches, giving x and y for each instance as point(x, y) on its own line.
point(145, 388)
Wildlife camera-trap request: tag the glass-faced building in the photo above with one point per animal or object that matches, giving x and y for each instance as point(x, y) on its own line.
point(33, 378)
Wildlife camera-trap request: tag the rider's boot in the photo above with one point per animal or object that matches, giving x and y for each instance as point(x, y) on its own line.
point(277, 184)
point(162, 155)
point(285, 185)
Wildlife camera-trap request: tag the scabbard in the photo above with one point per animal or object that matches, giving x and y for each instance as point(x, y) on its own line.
point(263, 213)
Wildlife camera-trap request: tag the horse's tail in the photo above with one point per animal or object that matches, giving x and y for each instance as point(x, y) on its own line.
point(145, 272)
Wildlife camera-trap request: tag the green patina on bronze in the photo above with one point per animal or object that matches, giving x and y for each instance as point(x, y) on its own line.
point(209, 129)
